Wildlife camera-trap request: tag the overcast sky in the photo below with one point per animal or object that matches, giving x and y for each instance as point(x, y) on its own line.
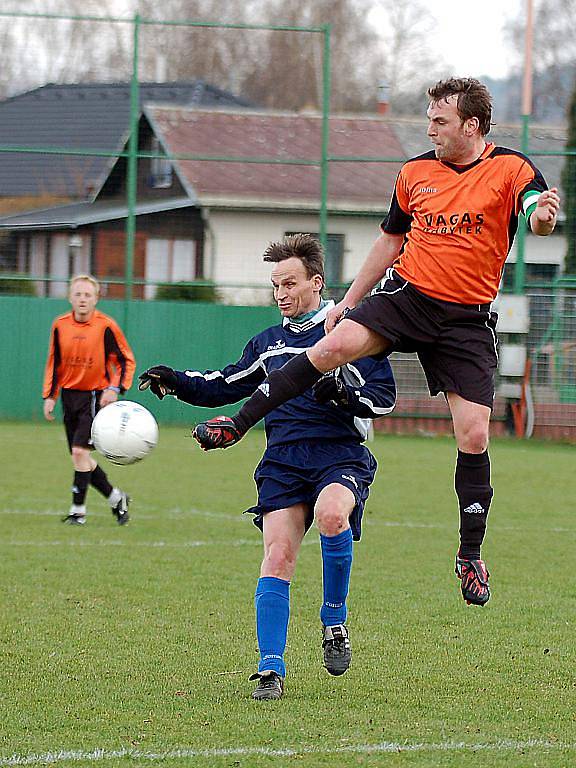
point(469, 35)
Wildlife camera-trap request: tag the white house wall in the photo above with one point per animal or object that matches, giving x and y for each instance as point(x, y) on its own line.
point(236, 241)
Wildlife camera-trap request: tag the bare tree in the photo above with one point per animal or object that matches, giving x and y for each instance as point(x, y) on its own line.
point(409, 65)
point(554, 54)
point(40, 50)
point(277, 69)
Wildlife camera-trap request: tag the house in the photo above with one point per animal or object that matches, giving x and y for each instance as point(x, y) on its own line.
point(203, 218)
point(65, 120)
point(230, 180)
point(93, 116)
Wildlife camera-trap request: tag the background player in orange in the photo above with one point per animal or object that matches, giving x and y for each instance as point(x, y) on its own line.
point(440, 258)
point(90, 362)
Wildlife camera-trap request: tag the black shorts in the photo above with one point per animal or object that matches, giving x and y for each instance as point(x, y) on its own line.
point(79, 408)
point(455, 343)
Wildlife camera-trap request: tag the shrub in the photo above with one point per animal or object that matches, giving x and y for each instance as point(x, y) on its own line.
point(17, 287)
point(188, 292)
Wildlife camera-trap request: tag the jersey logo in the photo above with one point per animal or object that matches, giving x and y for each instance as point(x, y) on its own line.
point(351, 478)
point(265, 388)
point(277, 345)
point(428, 190)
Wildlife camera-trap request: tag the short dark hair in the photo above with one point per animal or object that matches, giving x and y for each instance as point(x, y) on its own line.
point(474, 99)
point(307, 248)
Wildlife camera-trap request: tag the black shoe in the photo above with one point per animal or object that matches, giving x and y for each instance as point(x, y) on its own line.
point(74, 519)
point(270, 685)
point(120, 511)
point(219, 432)
point(337, 650)
point(473, 575)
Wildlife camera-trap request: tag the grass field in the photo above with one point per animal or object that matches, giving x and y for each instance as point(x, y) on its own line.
point(133, 645)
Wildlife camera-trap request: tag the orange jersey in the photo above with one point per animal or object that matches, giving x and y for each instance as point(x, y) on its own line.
point(460, 221)
point(87, 356)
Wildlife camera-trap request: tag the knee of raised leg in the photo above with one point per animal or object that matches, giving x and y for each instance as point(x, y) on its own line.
point(77, 452)
point(331, 351)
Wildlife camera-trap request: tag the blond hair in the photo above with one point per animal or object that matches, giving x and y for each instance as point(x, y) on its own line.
point(89, 279)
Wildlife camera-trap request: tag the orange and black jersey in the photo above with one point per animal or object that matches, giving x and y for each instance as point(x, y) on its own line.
point(87, 356)
point(459, 221)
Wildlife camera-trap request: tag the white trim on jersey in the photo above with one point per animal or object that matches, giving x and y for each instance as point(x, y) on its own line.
point(357, 380)
point(259, 363)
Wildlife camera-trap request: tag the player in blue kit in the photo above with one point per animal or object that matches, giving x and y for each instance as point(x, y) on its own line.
point(315, 466)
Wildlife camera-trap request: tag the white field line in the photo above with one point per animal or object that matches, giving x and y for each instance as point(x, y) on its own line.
point(62, 756)
point(256, 542)
point(174, 512)
point(368, 520)
point(146, 544)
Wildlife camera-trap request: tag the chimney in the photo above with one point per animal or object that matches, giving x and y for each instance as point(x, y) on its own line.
point(383, 96)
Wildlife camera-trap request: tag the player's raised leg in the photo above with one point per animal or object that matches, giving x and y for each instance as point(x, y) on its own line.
point(472, 484)
point(283, 531)
point(349, 341)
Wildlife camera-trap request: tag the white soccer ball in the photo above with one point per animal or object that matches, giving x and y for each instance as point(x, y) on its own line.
point(124, 432)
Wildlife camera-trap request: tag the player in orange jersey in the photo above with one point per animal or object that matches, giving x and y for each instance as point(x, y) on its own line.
point(439, 258)
point(90, 362)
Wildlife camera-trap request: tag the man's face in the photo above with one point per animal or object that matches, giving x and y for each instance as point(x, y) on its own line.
point(294, 292)
point(83, 298)
point(453, 139)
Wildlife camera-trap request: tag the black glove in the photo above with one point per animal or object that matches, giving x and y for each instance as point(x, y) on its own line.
point(331, 387)
point(161, 380)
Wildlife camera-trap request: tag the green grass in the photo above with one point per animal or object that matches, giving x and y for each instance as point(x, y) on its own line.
point(142, 638)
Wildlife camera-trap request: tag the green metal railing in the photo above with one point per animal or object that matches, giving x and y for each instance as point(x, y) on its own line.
point(133, 154)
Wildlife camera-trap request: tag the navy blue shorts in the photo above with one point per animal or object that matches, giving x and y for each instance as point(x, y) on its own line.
point(296, 473)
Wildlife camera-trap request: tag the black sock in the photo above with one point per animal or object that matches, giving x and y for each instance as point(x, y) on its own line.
point(294, 378)
point(81, 482)
point(472, 483)
point(100, 481)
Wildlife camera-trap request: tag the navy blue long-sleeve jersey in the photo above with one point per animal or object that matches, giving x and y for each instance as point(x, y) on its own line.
point(369, 383)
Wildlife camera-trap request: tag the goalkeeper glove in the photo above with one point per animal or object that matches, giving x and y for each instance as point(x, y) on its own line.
point(161, 380)
point(331, 388)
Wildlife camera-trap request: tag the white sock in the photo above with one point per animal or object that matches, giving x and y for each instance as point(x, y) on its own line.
point(79, 510)
point(114, 497)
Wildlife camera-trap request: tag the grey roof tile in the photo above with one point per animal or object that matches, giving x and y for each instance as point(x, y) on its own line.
point(91, 116)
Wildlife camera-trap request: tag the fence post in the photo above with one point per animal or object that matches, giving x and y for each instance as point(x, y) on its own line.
point(325, 138)
point(132, 176)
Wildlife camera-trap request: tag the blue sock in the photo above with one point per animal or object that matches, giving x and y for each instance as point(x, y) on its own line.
point(272, 602)
point(336, 567)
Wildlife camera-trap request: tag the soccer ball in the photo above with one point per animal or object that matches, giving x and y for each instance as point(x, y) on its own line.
point(124, 432)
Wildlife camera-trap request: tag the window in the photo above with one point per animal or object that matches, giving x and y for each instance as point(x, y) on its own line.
point(333, 260)
point(160, 168)
point(169, 261)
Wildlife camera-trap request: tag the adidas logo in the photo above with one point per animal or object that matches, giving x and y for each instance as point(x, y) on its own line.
point(475, 509)
point(265, 388)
